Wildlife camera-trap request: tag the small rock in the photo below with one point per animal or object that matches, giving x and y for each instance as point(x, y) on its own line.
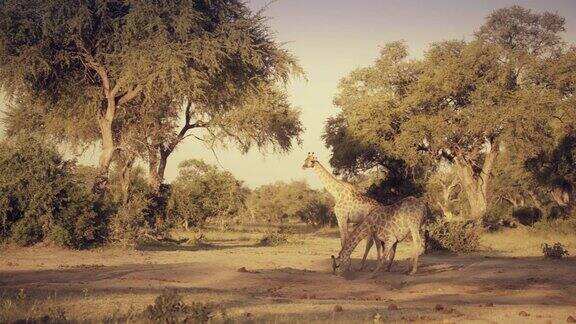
point(489, 305)
point(392, 307)
point(243, 269)
point(338, 308)
point(570, 319)
point(438, 307)
point(523, 313)
point(248, 314)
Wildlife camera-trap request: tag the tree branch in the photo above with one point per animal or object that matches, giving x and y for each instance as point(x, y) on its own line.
point(100, 70)
point(491, 154)
point(129, 95)
point(185, 128)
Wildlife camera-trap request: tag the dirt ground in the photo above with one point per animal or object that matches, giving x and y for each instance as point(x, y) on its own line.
point(508, 282)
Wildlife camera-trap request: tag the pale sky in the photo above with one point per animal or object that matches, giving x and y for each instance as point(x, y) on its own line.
point(333, 37)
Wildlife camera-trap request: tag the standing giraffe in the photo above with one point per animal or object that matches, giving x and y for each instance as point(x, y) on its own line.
point(390, 224)
point(350, 207)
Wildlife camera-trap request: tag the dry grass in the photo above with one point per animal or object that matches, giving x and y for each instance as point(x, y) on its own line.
point(290, 283)
point(524, 241)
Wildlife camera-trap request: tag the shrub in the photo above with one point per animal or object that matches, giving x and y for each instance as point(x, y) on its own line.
point(26, 232)
point(202, 192)
point(280, 202)
point(458, 237)
point(273, 239)
point(41, 198)
point(527, 215)
point(130, 223)
point(169, 307)
point(556, 251)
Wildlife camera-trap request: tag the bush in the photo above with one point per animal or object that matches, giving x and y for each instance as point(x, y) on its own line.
point(169, 307)
point(458, 237)
point(527, 215)
point(130, 223)
point(273, 239)
point(280, 202)
point(41, 198)
point(202, 192)
point(26, 232)
point(556, 251)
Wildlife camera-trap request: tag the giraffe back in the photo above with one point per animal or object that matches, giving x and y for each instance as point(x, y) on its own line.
point(354, 204)
point(400, 219)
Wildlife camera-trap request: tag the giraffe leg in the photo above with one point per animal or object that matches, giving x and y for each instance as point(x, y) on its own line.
point(379, 247)
point(418, 248)
point(379, 250)
point(387, 251)
point(391, 257)
point(369, 244)
point(343, 227)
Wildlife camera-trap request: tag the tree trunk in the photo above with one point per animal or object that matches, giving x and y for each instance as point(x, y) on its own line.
point(517, 201)
point(445, 197)
point(105, 123)
point(535, 199)
point(475, 186)
point(153, 178)
point(157, 167)
point(560, 196)
point(125, 172)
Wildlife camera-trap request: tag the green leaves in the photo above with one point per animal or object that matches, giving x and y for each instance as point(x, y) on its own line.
point(459, 93)
point(41, 199)
point(202, 192)
point(282, 202)
point(511, 88)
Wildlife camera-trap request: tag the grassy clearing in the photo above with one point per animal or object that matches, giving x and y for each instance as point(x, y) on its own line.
point(525, 241)
point(288, 283)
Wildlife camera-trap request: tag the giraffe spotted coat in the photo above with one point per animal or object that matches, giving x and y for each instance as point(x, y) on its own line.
point(390, 224)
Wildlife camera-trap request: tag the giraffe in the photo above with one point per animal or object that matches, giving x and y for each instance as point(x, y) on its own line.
point(350, 207)
point(390, 224)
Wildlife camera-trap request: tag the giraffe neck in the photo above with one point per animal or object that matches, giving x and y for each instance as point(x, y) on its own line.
point(332, 185)
point(361, 231)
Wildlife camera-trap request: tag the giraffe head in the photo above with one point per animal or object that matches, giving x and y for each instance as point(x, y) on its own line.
point(310, 161)
point(340, 265)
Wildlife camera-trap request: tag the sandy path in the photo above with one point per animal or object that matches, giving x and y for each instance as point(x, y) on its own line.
point(295, 281)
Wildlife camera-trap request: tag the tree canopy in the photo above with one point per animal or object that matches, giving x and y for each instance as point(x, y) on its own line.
point(106, 69)
point(509, 89)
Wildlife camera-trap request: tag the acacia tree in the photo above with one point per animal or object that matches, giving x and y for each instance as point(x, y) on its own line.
point(384, 177)
point(260, 117)
point(94, 60)
point(464, 101)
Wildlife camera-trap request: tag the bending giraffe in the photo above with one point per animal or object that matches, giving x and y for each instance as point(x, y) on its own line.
point(350, 205)
point(390, 224)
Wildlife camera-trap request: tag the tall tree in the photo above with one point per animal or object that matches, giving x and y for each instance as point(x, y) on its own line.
point(98, 59)
point(260, 117)
point(467, 101)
